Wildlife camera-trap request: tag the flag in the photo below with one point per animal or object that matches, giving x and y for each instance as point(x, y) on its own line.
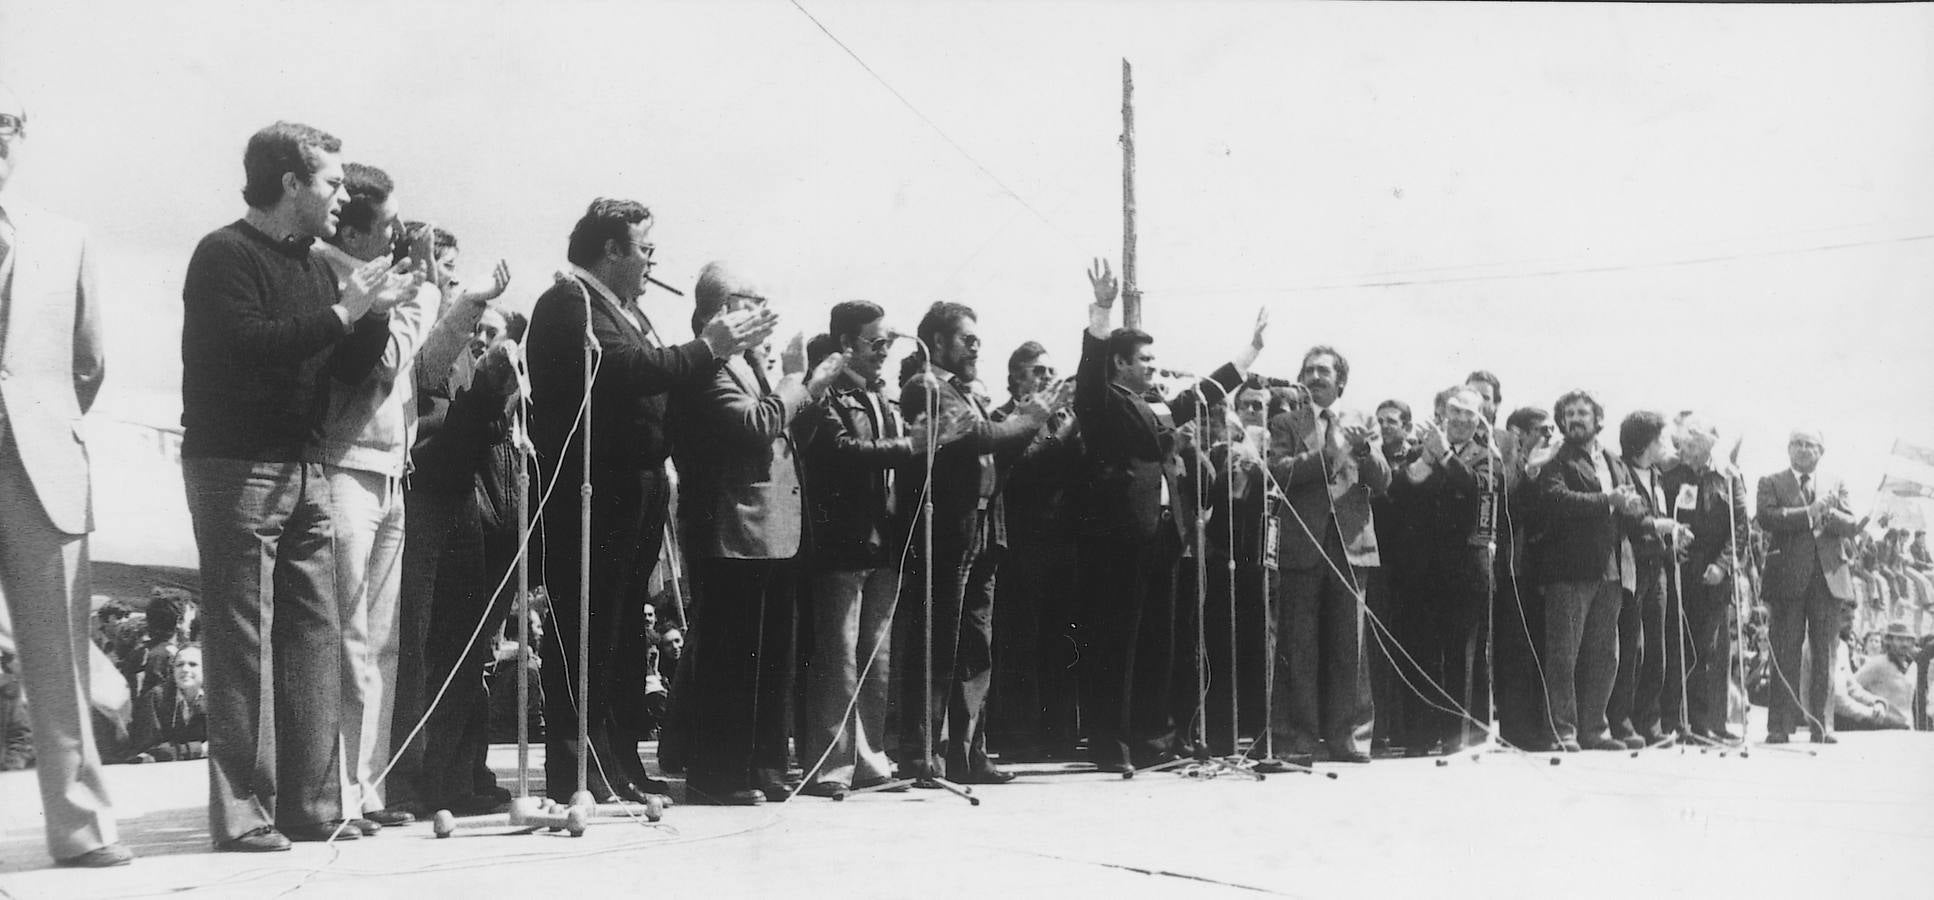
point(1903, 486)
point(1915, 452)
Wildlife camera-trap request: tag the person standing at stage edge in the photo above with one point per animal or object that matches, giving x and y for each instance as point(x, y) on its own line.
point(1709, 496)
point(1130, 541)
point(51, 367)
point(1804, 512)
point(264, 325)
point(610, 258)
point(969, 535)
point(741, 519)
point(1323, 457)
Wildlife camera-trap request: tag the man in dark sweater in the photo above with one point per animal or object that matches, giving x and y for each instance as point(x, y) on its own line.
point(263, 326)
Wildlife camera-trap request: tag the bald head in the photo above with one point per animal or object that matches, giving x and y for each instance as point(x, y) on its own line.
point(722, 286)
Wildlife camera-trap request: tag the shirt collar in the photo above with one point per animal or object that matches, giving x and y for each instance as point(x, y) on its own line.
point(585, 275)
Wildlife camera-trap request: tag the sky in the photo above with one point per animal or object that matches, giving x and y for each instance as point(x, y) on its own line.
point(1727, 208)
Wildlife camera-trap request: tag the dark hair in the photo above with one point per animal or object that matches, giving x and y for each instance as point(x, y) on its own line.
point(443, 240)
point(1579, 396)
point(910, 366)
point(1438, 402)
point(1638, 431)
point(849, 317)
point(1484, 375)
point(164, 616)
point(368, 187)
point(1525, 418)
point(1402, 408)
point(1280, 397)
point(943, 317)
point(820, 347)
point(1125, 342)
point(1342, 365)
point(604, 220)
point(281, 149)
point(1029, 350)
point(515, 323)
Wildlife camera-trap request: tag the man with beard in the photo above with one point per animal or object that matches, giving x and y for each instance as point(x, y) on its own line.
point(1582, 564)
point(1329, 469)
point(1804, 513)
point(969, 530)
point(610, 256)
point(1710, 498)
point(1131, 532)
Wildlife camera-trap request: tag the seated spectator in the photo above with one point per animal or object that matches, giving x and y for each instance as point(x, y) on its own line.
point(171, 719)
point(1854, 707)
point(149, 662)
point(1891, 676)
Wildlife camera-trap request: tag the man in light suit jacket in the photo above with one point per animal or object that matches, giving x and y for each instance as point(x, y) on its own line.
point(740, 523)
point(1322, 457)
point(610, 257)
point(51, 367)
point(1804, 512)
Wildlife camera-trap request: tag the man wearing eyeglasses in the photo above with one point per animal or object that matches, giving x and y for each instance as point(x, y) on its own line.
point(51, 367)
point(610, 259)
point(1032, 703)
point(969, 536)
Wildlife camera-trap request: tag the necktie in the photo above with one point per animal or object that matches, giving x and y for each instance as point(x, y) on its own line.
point(1806, 488)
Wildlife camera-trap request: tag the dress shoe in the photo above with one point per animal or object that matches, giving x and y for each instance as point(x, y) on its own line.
point(493, 791)
point(476, 805)
point(1628, 740)
point(746, 797)
point(1348, 756)
point(1606, 743)
point(872, 783)
point(988, 775)
point(368, 827)
point(392, 817)
point(1423, 749)
point(1569, 747)
point(831, 790)
point(1777, 737)
point(776, 793)
point(98, 858)
point(1721, 734)
point(1821, 737)
point(1286, 762)
point(321, 831)
point(261, 840)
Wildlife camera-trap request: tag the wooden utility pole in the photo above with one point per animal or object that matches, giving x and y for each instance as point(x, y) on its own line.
point(1131, 295)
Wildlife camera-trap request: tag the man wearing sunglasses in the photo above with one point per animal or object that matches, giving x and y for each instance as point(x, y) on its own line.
point(50, 370)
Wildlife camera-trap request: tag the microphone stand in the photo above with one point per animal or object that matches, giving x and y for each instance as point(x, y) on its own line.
point(928, 775)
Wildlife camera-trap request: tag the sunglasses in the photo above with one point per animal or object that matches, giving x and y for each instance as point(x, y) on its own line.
point(1041, 371)
point(1252, 405)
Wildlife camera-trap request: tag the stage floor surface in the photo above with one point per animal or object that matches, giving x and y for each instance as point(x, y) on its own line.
point(1855, 819)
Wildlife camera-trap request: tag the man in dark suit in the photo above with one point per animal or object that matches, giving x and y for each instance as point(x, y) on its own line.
point(850, 442)
point(969, 533)
point(1645, 708)
point(740, 522)
point(1518, 609)
point(1710, 497)
point(610, 258)
point(51, 366)
point(1323, 458)
point(1130, 536)
point(1804, 513)
point(1583, 563)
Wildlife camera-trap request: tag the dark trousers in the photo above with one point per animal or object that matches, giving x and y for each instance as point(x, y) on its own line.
point(1518, 627)
point(1641, 657)
point(961, 653)
point(1709, 649)
point(627, 533)
point(273, 647)
point(1236, 636)
point(1126, 657)
point(742, 682)
point(1032, 704)
point(1812, 619)
point(461, 599)
point(1581, 636)
point(1447, 628)
point(1322, 687)
point(1661, 705)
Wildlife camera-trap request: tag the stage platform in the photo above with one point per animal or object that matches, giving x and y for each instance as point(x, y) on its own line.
point(1855, 820)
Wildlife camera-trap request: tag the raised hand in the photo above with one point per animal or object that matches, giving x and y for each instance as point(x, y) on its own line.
point(825, 373)
point(1431, 436)
point(1358, 436)
point(499, 280)
point(792, 360)
point(733, 333)
point(1262, 325)
point(1541, 454)
point(1102, 279)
